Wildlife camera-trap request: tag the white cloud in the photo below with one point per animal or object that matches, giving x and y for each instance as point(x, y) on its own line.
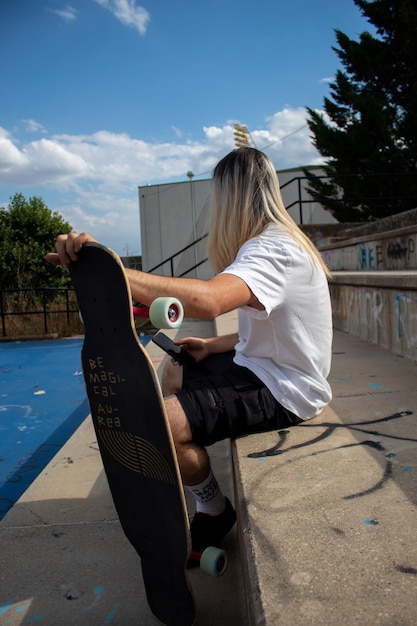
point(177, 131)
point(93, 178)
point(112, 217)
point(327, 79)
point(38, 162)
point(287, 139)
point(10, 156)
point(68, 14)
point(32, 126)
point(128, 13)
point(118, 160)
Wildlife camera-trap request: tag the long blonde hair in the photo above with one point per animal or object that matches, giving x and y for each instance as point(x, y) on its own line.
point(246, 197)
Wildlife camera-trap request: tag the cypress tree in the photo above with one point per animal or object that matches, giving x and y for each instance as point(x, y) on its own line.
point(368, 133)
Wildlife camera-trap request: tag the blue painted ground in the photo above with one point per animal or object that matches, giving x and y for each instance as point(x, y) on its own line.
point(42, 402)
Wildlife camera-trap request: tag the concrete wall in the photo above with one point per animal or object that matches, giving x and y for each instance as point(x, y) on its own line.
point(374, 283)
point(379, 308)
point(386, 251)
point(172, 217)
point(387, 244)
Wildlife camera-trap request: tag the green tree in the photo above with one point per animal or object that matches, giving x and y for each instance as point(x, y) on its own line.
point(368, 133)
point(28, 230)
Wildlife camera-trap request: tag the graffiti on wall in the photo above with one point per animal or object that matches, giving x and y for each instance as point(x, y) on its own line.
point(406, 314)
point(370, 256)
point(343, 300)
point(396, 253)
point(389, 254)
point(382, 316)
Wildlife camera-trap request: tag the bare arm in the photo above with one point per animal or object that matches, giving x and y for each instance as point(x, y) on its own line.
point(204, 299)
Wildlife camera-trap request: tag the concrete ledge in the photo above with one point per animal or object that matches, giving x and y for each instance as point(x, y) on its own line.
point(327, 509)
point(383, 225)
point(342, 242)
point(15, 338)
point(404, 279)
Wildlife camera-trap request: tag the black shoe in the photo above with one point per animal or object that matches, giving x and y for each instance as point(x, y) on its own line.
point(210, 530)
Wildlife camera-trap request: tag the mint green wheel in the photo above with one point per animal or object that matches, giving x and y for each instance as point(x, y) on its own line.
point(166, 313)
point(213, 561)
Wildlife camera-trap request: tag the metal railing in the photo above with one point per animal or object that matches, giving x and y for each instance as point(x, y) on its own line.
point(298, 180)
point(43, 303)
point(170, 260)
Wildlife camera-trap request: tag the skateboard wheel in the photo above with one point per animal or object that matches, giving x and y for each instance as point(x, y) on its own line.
point(213, 561)
point(166, 313)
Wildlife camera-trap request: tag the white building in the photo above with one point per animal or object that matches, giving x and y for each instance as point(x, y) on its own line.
point(175, 215)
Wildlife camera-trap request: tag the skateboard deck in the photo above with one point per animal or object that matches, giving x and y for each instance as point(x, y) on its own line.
point(133, 434)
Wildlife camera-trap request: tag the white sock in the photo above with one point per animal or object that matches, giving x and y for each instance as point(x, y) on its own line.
point(208, 495)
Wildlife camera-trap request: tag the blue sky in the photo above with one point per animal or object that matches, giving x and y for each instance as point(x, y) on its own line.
point(98, 97)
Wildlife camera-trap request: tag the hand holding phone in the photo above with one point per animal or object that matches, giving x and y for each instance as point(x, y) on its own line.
point(177, 353)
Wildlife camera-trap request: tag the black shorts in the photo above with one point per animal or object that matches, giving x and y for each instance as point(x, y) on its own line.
point(223, 400)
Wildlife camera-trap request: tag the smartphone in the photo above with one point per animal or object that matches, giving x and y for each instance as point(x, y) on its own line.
point(177, 353)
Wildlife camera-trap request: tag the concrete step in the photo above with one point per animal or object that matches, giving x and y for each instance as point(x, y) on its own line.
point(328, 509)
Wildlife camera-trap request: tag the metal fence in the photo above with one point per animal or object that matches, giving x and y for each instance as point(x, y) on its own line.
point(40, 307)
point(391, 191)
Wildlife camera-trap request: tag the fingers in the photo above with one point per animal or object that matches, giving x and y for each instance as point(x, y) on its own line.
point(191, 342)
point(53, 258)
point(195, 346)
point(64, 246)
point(67, 248)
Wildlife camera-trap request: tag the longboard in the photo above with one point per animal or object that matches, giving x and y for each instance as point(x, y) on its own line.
point(133, 434)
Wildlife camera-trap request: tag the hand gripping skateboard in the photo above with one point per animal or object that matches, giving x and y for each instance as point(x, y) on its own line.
point(133, 433)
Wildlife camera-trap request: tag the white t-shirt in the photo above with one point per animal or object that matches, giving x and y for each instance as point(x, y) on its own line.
point(288, 345)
